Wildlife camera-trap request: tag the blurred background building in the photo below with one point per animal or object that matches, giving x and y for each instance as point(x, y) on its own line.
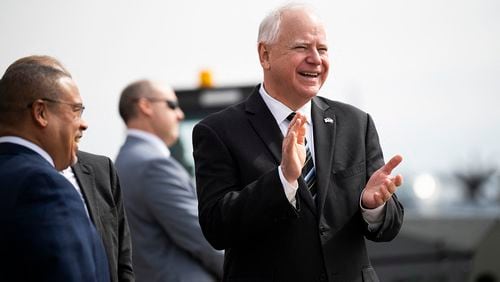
point(427, 71)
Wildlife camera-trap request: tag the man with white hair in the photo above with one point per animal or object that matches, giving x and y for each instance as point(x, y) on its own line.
point(289, 183)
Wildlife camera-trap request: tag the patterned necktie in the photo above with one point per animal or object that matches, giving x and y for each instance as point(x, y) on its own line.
point(308, 171)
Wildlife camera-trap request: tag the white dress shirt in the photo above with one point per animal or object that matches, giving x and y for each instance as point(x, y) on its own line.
point(70, 176)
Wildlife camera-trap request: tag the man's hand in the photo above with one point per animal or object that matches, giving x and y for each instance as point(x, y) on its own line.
point(382, 185)
point(293, 149)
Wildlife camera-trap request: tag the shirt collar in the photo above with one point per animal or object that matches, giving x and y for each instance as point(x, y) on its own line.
point(28, 144)
point(151, 139)
point(279, 110)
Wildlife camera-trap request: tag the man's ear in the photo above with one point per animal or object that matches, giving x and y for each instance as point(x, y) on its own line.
point(144, 107)
point(40, 113)
point(264, 56)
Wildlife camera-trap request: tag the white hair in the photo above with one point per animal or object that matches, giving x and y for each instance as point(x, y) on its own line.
point(270, 26)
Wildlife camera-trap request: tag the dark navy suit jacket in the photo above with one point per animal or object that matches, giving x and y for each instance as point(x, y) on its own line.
point(45, 232)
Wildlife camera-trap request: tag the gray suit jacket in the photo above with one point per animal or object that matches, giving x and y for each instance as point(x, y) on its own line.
point(98, 181)
point(161, 205)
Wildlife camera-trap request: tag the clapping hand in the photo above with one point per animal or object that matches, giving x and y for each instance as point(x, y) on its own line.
point(382, 185)
point(293, 149)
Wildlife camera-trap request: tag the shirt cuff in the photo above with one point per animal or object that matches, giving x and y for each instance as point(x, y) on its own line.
point(374, 217)
point(290, 189)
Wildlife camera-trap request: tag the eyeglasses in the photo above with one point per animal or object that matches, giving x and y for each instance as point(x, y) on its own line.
point(170, 103)
point(76, 107)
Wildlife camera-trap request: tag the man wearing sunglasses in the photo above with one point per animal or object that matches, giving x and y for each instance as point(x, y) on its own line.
point(159, 195)
point(46, 234)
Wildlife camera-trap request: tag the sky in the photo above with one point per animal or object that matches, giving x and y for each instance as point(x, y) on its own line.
point(428, 71)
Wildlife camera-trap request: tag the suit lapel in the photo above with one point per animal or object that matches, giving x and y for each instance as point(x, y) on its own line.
point(263, 122)
point(85, 178)
point(324, 122)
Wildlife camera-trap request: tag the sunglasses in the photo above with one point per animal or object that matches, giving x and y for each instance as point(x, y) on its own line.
point(170, 103)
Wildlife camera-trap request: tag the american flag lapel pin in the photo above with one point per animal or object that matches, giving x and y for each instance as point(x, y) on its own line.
point(328, 120)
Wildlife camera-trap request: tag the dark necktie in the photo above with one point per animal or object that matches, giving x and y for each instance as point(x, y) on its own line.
point(308, 171)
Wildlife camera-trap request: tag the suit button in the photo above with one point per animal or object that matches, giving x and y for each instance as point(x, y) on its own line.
point(322, 277)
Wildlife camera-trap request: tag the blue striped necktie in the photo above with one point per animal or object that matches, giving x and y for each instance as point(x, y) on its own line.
point(308, 171)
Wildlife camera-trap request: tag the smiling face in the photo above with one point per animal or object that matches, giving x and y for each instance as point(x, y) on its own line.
point(65, 126)
point(296, 65)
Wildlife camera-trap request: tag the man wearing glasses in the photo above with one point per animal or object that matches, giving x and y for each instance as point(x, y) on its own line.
point(159, 195)
point(46, 234)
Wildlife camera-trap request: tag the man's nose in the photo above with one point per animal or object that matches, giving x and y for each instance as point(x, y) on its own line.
point(83, 124)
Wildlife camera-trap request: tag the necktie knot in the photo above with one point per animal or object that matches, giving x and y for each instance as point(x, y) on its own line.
point(290, 116)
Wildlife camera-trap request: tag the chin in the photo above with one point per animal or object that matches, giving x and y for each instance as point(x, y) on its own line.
point(312, 93)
